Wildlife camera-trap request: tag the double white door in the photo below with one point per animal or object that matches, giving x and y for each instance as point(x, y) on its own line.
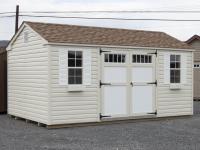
point(127, 84)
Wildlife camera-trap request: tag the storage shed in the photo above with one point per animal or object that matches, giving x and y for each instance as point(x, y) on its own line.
point(3, 77)
point(66, 74)
point(194, 42)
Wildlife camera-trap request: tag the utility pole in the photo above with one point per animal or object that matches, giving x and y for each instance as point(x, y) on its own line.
point(16, 18)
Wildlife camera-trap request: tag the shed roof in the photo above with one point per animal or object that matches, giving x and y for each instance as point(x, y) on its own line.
point(74, 34)
point(194, 37)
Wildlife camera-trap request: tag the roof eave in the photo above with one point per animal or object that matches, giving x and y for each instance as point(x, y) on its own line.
point(117, 46)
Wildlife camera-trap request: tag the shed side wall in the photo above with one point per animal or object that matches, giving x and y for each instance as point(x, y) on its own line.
point(174, 102)
point(73, 107)
point(28, 78)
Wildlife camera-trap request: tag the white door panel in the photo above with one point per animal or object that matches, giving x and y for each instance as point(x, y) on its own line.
point(115, 74)
point(142, 99)
point(143, 92)
point(114, 100)
point(142, 74)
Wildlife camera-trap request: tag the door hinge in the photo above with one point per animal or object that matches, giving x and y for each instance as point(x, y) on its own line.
point(155, 53)
point(153, 113)
point(101, 83)
point(103, 51)
point(103, 116)
point(153, 83)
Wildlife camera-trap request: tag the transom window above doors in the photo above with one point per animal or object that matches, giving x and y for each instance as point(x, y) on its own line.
point(115, 58)
point(175, 68)
point(75, 68)
point(140, 58)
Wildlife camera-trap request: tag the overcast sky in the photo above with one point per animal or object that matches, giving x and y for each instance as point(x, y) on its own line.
point(180, 30)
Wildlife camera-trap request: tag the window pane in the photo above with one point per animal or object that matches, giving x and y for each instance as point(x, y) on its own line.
point(78, 80)
point(134, 58)
point(115, 58)
point(178, 65)
point(71, 62)
point(119, 58)
point(71, 80)
point(172, 57)
point(150, 59)
point(110, 58)
point(172, 64)
point(177, 73)
point(142, 58)
point(123, 58)
point(172, 76)
point(78, 73)
point(78, 62)
point(146, 59)
point(178, 57)
point(78, 54)
point(138, 58)
point(71, 72)
point(71, 54)
point(106, 57)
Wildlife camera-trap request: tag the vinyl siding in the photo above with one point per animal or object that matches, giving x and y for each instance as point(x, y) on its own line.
point(73, 107)
point(28, 78)
point(174, 102)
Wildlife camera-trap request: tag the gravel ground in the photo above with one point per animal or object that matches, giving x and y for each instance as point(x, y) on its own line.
point(171, 134)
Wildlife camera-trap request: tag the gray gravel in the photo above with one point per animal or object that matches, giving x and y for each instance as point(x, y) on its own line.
point(173, 134)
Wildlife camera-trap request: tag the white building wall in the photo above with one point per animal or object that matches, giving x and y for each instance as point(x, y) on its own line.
point(28, 78)
point(73, 107)
point(174, 102)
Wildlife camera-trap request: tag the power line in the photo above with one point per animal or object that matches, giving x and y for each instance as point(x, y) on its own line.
point(106, 18)
point(111, 11)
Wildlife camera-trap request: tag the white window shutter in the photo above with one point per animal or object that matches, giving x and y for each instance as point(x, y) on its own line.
point(183, 68)
point(87, 71)
point(63, 77)
point(166, 68)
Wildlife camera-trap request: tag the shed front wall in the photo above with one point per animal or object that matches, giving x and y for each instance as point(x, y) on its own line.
point(73, 107)
point(78, 107)
point(172, 102)
point(28, 78)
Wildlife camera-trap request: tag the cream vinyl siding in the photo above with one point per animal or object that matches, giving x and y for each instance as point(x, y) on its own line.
point(28, 78)
point(77, 106)
point(174, 102)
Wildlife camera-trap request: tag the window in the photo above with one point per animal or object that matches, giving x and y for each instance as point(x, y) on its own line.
point(196, 65)
point(75, 67)
point(175, 68)
point(141, 58)
point(115, 58)
point(25, 37)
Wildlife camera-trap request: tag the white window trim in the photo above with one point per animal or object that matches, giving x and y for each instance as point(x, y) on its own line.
point(75, 67)
point(180, 68)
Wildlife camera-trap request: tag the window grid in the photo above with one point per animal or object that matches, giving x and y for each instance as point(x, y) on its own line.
point(138, 58)
point(75, 68)
point(115, 58)
point(175, 68)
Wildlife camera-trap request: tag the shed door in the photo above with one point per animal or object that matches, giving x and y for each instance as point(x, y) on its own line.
point(114, 84)
point(143, 84)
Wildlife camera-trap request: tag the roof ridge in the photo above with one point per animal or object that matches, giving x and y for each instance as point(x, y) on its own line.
point(86, 26)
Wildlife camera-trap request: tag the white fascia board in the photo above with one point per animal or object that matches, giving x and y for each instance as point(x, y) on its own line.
point(9, 47)
point(114, 46)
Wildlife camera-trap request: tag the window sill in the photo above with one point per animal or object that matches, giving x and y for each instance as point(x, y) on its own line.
point(175, 86)
point(76, 88)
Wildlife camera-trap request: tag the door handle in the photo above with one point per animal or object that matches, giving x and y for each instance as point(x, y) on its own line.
point(131, 83)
